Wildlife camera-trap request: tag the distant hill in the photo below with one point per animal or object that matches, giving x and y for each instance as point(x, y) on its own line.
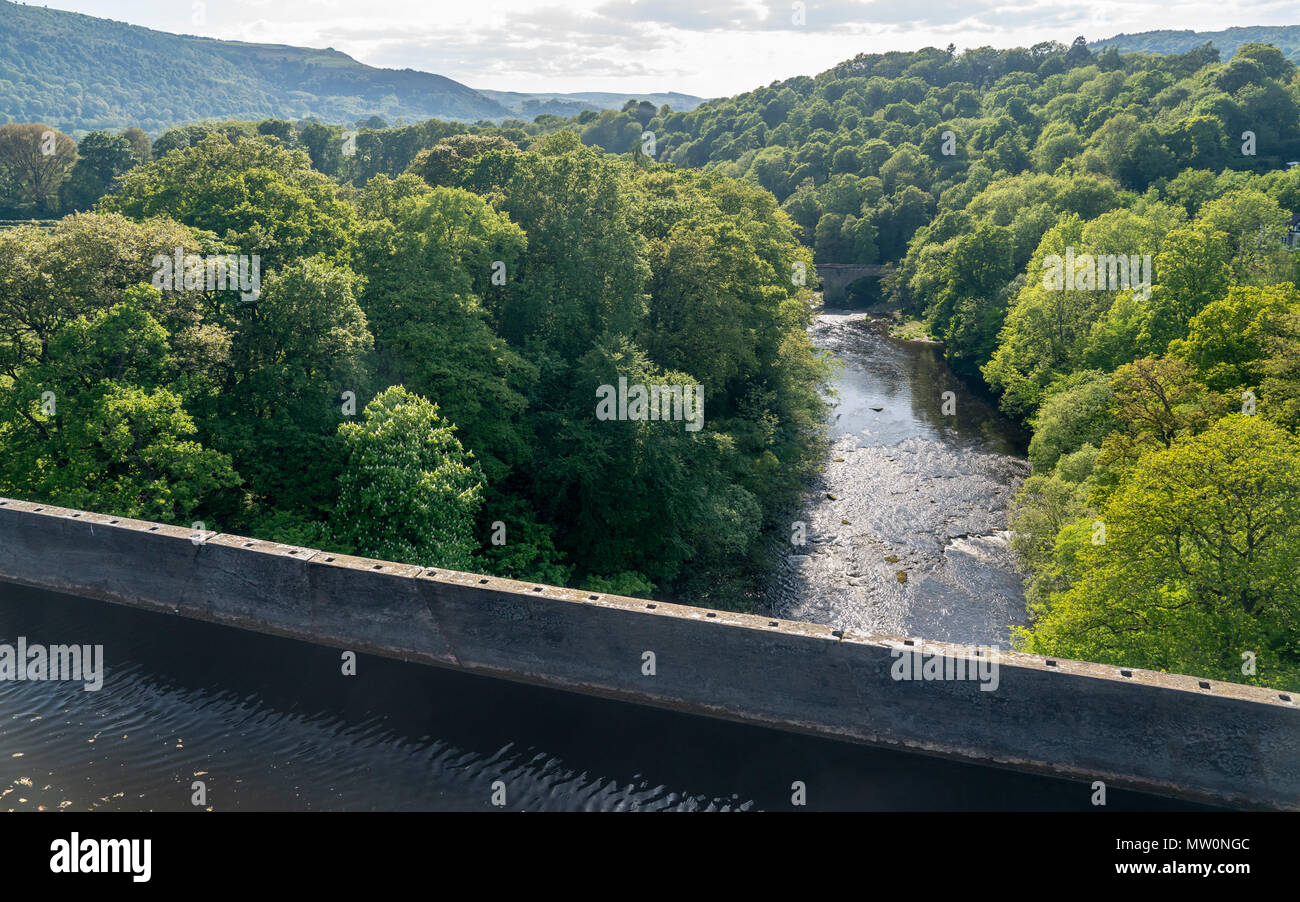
point(529, 106)
point(79, 73)
point(1284, 37)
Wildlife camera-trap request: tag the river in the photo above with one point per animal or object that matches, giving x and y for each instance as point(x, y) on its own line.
point(906, 531)
point(268, 723)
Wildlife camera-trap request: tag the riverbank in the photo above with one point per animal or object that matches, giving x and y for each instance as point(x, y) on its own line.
point(906, 529)
point(892, 323)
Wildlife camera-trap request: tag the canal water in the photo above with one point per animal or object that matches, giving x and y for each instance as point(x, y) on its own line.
point(272, 724)
point(267, 723)
point(906, 531)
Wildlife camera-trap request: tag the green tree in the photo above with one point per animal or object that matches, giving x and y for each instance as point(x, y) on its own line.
point(1192, 270)
point(1254, 224)
point(132, 452)
point(1157, 400)
point(1199, 564)
point(1051, 518)
point(408, 491)
point(1227, 342)
point(88, 426)
point(1076, 413)
point(427, 270)
point(280, 400)
point(441, 164)
point(672, 502)
point(972, 304)
point(36, 159)
point(585, 271)
point(253, 194)
point(101, 159)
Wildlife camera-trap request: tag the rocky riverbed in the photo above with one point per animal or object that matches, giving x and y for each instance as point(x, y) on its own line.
point(906, 530)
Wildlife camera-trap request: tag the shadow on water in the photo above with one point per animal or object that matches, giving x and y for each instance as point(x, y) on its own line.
point(270, 723)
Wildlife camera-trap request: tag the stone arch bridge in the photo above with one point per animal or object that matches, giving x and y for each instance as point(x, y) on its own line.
point(837, 277)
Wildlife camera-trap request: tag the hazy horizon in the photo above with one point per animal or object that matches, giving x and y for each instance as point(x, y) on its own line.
point(642, 46)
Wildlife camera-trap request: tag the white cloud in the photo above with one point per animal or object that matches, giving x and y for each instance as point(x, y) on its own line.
point(706, 47)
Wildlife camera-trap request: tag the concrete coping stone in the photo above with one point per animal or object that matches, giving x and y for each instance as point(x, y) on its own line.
point(650, 607)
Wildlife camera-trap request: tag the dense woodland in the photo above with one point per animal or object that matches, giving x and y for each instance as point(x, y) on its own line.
point(1160, 527)
point(473, 400)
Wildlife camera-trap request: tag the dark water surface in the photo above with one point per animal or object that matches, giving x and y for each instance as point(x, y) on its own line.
point(271, 724)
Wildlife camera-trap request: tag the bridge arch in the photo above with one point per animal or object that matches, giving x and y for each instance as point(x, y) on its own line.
point(837, 277)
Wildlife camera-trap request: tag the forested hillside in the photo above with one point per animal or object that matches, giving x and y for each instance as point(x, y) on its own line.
point(1106, 241)
point(1284, 37)
point(530, 106)
point(78, 72)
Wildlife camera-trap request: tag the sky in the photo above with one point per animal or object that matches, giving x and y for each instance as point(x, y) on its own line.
point(706, 47)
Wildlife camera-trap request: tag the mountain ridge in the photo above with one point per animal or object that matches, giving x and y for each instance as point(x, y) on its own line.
point(79, 73)
point(1171, 41)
